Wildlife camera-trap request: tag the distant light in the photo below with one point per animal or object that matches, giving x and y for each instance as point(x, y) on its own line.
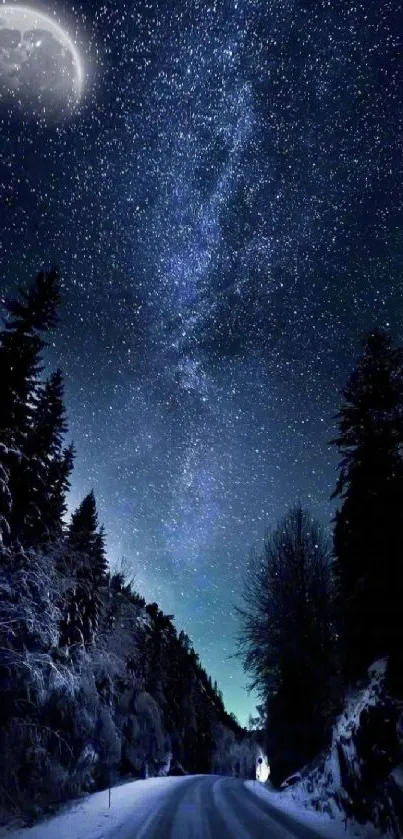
point(262, 768)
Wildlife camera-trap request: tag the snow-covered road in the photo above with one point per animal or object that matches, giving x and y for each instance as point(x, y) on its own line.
point(221, 808)
point(193, 807)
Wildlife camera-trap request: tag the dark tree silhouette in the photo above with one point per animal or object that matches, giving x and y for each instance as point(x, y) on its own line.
point(40, 482)
point(287, 638)
point(86, 546)
point(21, 343)
point(368, 538)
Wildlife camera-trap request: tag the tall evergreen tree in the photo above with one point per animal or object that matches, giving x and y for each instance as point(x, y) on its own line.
point(368, 537)
point(41, 480)
point(59, 484)
point(21, 341)
point(86, 543)
point(85, 537)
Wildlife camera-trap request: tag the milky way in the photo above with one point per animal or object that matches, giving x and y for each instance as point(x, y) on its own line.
point(225, 209)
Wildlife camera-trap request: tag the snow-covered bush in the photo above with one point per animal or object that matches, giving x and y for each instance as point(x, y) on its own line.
point(233, 755)
point(150, 739)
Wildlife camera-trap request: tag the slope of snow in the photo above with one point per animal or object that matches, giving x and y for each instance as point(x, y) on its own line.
point(92, 818)
point(298, 807)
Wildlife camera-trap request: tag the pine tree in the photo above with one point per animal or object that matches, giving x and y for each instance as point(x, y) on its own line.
point(86, 543)
point(21, 343)
point(41, 480)
point(85, 537)
point(368, 537)
point(58, 486)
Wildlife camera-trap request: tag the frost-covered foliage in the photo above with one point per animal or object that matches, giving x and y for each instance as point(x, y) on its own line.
point(150, 741)
point(234, 754)
point(361, 775)
point(93, 683)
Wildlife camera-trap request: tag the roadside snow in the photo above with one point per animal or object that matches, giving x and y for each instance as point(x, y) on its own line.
point(329, 828)
point(91, 818)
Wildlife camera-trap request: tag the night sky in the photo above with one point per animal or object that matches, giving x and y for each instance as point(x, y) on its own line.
point(225, 209)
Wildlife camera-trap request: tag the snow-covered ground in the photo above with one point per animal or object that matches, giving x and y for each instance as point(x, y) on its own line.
point(91, 817)
point(295, 805)
point(192, 807)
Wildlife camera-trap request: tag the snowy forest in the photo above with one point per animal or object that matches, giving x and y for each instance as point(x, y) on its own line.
point(97, 685)
point(94, 684)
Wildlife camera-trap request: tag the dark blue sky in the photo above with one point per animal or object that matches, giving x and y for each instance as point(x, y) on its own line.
point(225, 208)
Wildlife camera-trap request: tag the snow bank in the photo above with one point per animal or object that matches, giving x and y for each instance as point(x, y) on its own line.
point(299, 808)
point(91, 818)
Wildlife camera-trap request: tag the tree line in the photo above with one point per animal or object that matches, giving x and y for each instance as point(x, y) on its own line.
point(94, 683)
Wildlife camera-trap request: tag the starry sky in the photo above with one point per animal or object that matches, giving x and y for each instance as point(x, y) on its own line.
point(225, 208)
